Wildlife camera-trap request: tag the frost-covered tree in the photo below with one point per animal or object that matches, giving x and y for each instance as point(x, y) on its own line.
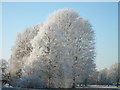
point(93, 78)
point(66, 40)
point(109, 76)
point(60, 55)
point(3, 64)
point(114, 74)
point(21, 50)
point(103, 76)
point(3, 67)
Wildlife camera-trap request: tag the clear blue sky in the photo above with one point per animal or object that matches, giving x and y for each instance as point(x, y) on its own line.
point(102, 16)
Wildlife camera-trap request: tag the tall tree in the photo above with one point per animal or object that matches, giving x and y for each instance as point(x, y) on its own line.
point(58, 54)
point(21, 50)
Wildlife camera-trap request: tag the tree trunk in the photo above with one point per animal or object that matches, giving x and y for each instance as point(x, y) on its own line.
point(73, 82)
point(73, 85)
point(117, 82)
point(85, 82)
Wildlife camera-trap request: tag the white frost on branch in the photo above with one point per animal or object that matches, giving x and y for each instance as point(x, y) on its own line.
point(58, 53)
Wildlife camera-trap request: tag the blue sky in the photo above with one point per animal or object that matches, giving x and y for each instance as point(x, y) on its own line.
point(102, 16)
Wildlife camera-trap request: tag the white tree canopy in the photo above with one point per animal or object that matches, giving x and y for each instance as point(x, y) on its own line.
point(57, 54)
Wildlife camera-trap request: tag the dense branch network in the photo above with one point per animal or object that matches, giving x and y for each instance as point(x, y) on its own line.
point(58, 53)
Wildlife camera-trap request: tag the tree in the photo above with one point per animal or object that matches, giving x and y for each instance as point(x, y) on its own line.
point(21, 51)
point(3, 67)
point(83, 52)
point(109, 76)
point(60, 52)
point(93, 79)
point(114, 73)
point(103, 76)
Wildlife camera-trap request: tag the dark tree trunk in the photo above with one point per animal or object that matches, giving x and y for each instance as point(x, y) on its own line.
point(117, 82)
point(85, 82)
point(74, 73)
point(73, 82)
point(73, 85)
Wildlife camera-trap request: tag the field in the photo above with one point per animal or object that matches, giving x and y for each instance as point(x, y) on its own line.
point(90, 87)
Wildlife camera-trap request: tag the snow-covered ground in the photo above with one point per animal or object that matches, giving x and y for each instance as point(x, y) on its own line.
point(7, 87)
point(98, 86)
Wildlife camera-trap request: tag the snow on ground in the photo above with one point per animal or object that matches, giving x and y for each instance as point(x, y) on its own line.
point(103, 86)
point(7, 87)
point(98, 86)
